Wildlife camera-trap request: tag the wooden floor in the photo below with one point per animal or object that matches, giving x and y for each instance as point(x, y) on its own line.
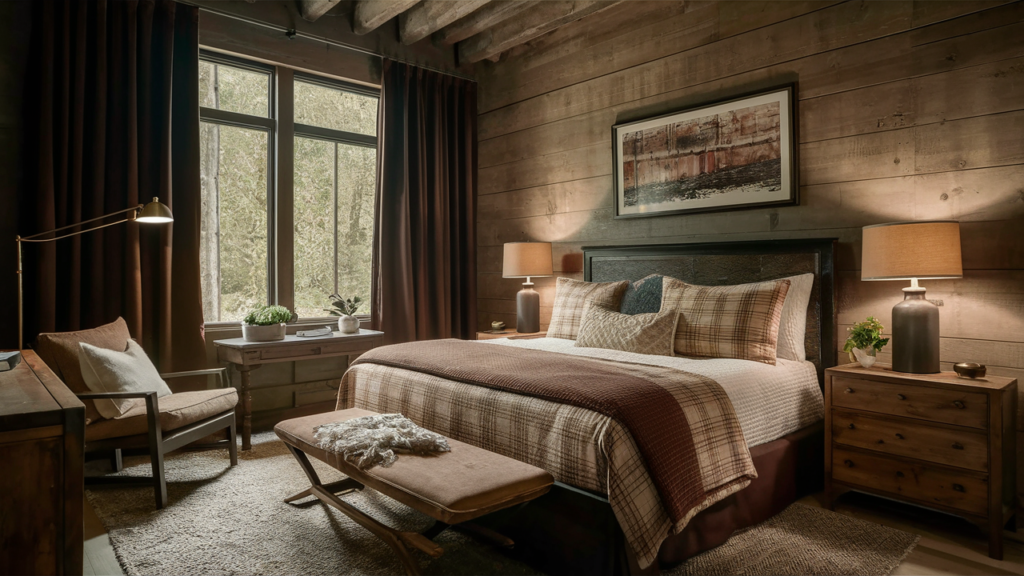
point(948, 545)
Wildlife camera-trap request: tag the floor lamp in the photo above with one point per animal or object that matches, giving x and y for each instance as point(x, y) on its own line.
point(153, 213)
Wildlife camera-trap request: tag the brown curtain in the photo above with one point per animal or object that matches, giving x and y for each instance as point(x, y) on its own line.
point(424, 258)
point(113, 92)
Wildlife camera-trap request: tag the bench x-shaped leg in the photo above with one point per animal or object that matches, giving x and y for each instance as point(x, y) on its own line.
point(397, 540)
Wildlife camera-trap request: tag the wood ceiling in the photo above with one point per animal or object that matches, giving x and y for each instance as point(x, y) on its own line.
point(479, 29)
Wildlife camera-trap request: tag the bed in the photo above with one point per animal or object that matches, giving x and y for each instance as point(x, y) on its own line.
point(604, 500)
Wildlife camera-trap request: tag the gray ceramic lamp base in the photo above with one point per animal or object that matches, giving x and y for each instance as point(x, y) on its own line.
point(915, 334)
point(527, 310)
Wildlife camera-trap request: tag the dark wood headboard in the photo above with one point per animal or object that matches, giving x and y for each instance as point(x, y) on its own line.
point(720, 263)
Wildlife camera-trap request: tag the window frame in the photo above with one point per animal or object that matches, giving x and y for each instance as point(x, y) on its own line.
point(282, 130)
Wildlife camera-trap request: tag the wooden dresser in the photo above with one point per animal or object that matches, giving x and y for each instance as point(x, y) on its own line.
point(930, 439)
point(42, 438)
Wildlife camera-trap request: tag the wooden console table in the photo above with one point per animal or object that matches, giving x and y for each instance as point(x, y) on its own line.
point(42, 444)
point(248, 356)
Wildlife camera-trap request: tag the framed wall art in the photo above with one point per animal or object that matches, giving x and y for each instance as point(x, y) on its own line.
point(729, 155)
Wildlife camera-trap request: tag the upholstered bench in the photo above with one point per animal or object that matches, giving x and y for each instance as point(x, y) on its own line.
point(453, 487)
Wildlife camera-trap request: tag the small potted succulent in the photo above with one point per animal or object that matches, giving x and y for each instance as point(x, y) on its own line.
point(345, 310)
point(265, 324)
point(864, 341)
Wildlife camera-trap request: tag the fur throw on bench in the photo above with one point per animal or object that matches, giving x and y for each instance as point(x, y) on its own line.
point(371, 440)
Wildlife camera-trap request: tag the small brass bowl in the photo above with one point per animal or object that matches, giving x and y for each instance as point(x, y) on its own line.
point(969, 370)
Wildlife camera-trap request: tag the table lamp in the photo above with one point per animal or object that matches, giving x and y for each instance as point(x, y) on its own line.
point(913, 251)
point(526, 260)
point(153, 213)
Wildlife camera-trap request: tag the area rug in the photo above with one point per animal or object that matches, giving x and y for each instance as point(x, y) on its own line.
point(224, 520)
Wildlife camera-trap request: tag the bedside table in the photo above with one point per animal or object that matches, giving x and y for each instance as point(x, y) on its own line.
point(508, 333)
point(936, 440)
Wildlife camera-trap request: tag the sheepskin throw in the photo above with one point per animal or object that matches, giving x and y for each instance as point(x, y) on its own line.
point(371, 440)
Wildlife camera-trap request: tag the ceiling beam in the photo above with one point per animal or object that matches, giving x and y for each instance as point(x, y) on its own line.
point(371, 14)
point(541, 19)
point(495, 12)
point(313, 9)
point(431, 15)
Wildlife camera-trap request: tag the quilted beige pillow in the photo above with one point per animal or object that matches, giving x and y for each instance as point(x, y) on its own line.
point(727, 321)
point(647, 333)
point(571, 295)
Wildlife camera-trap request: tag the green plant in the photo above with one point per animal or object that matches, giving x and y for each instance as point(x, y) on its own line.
point(866, 334)
point(268, 315)
point(344, 307)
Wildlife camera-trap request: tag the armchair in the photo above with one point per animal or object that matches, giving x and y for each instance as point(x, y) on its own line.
point(159, 441)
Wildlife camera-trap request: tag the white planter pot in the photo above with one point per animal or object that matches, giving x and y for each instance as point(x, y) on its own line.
point(866, 356)
point(263, 333)
point(348, 324)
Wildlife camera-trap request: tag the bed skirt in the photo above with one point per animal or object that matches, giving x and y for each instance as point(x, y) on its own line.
point(571, 531)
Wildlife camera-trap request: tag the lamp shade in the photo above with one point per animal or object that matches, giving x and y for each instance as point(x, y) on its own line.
point(155, 212)
point(906, 250)
point(524, 259)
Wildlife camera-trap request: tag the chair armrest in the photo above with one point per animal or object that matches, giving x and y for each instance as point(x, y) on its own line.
point(221, 372)
point(112, 395)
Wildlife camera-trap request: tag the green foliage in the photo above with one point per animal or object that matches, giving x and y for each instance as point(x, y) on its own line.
point(267, 315)
point(866, 334)
point(344, 307)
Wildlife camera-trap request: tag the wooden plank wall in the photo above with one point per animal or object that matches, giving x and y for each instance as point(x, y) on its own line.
point(908, 110)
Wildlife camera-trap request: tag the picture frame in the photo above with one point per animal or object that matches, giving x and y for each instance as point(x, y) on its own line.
point(734, 154)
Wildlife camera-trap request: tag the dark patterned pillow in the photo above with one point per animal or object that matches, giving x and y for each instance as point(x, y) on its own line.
point(642, 296)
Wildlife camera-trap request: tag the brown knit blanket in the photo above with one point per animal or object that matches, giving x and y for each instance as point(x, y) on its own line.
point(629, 393)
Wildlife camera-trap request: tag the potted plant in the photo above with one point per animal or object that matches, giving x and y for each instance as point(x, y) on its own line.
point(265, 324)
point(345, 310)
point(864, 341)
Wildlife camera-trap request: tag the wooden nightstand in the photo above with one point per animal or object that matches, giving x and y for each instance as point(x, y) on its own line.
point(508, 333)
point(930, 439)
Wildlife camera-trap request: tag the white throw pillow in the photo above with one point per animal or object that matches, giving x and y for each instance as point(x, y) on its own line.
point(793, 326)
point(112, 371)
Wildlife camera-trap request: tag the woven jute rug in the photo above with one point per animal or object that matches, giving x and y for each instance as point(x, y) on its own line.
point(224, 520)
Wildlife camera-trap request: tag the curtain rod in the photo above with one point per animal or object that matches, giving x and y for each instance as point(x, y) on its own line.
point(279, 28)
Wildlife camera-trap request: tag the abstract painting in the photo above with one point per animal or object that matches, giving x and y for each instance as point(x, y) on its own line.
point(723, 156)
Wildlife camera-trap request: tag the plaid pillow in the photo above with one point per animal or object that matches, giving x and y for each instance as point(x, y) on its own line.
point(571, 295)
point(727, 321)
point(649, 333)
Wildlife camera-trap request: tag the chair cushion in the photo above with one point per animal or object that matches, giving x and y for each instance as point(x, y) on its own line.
point(176, 410)
point(452, 487)
point(111, 371)
point(59, 350)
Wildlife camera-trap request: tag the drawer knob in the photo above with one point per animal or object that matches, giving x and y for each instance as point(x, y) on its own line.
point(880, 441)
point(959, 487)
point(958, 446)
point(851, 426)
point(848, 391)
point(958, 404)
point(849, 463)
point(901, 396)
point(899, 474)
point(899, 436)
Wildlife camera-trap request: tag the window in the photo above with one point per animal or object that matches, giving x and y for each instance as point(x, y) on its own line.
point(323, 192)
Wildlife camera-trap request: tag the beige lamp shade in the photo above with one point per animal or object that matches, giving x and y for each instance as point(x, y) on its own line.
point(907, 250)
point(524, 259)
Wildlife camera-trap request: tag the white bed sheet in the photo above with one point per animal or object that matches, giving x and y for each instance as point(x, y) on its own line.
point(770, 401)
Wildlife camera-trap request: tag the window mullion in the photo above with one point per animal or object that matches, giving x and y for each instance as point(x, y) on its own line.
point(284, 217)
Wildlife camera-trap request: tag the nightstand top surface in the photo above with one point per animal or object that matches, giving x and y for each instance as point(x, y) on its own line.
point(948, 378)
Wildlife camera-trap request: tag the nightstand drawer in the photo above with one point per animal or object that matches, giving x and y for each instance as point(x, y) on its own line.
point(902, 437)
point(934, 486)
point(925, 403)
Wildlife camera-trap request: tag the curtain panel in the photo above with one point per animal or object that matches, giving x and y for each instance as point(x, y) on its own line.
point(113, 121)
point(424, 257)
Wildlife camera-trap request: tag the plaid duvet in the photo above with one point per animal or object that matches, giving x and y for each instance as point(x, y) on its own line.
point(578, 446)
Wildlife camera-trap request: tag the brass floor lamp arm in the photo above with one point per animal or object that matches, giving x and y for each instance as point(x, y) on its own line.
point(55, 230)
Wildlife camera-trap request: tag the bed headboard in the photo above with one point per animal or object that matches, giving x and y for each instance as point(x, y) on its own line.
point(719, 263)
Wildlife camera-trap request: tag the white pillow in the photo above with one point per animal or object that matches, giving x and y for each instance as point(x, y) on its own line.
point(112, 371)
point(793, 324)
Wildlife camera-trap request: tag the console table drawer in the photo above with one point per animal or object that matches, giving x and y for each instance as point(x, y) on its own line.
point(933, 404)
